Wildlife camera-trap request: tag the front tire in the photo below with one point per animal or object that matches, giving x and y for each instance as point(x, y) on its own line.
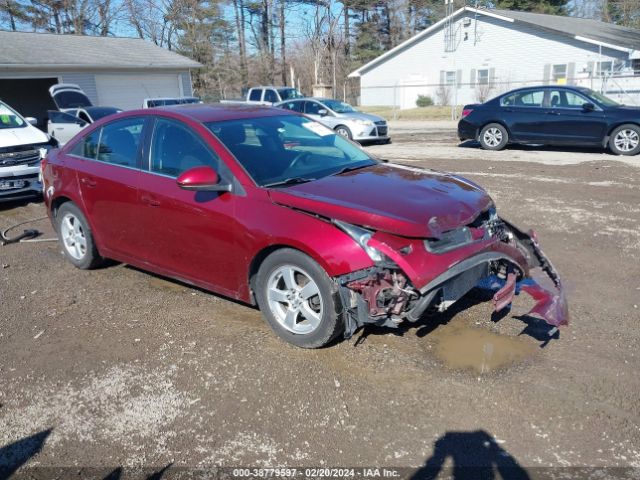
point(494, 137)
point(625, 140)
point(298, 299)
point(344, 132)
point(76, 238)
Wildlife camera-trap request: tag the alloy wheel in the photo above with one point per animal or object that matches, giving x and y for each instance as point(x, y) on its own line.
point(73, 236)
point(626, 140)
point(343, 132)
point(492, 137)
point(295, 299)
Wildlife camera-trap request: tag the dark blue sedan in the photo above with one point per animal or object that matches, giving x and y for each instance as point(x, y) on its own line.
point(553, 115)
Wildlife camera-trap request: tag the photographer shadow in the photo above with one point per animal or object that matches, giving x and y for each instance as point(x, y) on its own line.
point(474, 456)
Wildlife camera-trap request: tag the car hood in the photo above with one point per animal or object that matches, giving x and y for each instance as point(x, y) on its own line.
point(362, 116)
point(12, 137)
point(628, 109)
point(401, 200)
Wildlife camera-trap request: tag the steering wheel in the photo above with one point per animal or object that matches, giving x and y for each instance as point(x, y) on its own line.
point(300, 157)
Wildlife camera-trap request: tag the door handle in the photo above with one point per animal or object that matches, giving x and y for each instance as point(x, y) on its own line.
point(88, 182)
point(551, 112)
point(152, 202)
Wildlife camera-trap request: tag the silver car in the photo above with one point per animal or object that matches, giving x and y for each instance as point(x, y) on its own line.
point(342, 118)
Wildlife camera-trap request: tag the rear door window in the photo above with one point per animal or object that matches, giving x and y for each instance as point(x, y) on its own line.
point(527, 98)
point(270, 96)
point(293, 106)
point(120, 142)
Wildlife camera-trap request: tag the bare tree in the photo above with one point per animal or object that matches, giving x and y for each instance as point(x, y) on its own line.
point(443, 95)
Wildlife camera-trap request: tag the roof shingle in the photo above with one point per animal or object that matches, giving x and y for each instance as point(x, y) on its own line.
point(583, 27)
point(29, 50)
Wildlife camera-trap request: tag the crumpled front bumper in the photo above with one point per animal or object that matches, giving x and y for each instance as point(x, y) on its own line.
point(542, 283)
point(506, 264)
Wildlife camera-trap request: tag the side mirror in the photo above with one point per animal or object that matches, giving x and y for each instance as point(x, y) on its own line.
point(31, 120)
point(202, 179)
point(588, 107)
point(323, 112)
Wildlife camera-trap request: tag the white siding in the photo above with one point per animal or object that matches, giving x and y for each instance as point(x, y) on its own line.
point(128, 91)
point(515, 53)
point(86, 81)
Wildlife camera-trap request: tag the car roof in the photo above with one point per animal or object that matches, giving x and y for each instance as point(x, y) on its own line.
point(547, 87)
point(96, 108)
point(215, 112)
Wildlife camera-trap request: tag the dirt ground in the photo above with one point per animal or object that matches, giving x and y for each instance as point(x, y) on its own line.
point(119, 368)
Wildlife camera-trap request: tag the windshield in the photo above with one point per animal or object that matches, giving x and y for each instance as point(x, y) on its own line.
point(285, 149)
point(338, 106)
point(601, 99)
point(289, 93)
point(99, 112)
point(162, 102)
point(9, 118)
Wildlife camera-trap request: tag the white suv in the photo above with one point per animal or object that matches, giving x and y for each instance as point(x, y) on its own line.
point(22, 146)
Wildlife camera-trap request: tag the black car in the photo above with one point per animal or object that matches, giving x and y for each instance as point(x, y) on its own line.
point(552, 115)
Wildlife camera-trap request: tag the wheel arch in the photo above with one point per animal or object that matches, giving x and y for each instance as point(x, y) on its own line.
point(59, 200)
point(620, 124)
point(499, 122)
point(343, 126)
point(260, 256)
point(607, 137)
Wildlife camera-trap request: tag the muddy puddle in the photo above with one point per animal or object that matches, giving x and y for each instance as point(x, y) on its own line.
point(463, 347)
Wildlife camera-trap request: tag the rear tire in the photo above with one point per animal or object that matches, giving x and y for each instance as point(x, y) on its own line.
point(625, 140)
point(493, 137)
point(298, 299)
point(76, 238)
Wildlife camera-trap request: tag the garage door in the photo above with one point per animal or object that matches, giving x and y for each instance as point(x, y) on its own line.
point(128, 91)
point(29, 96)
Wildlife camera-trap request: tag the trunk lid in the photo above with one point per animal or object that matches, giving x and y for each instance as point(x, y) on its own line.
point(69, 95)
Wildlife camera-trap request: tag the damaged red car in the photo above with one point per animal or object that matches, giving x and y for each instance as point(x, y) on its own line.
point(273, 209)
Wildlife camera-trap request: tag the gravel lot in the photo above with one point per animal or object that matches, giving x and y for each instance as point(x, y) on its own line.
point(119, 368)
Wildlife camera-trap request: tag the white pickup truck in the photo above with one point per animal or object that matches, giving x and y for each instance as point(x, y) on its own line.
point(268, 95)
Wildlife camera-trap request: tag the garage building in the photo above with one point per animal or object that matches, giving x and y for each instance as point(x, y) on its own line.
point(112, 71)
point(475, 54)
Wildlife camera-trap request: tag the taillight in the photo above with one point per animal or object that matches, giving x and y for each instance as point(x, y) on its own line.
point(466, 111)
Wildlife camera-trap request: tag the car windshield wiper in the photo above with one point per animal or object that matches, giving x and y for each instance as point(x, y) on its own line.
point(289, 181)
point(352, 168)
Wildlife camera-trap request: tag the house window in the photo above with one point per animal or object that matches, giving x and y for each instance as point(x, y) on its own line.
point(450, 78)
point(483, 77)
point(559, 73)
point(605, 68)
point(635, 64)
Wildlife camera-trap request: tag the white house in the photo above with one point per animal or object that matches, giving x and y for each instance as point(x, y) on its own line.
point(475, 54)
point(118, 72)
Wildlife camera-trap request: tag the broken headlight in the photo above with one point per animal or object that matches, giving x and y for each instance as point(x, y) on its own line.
point(362, 237)
point(449, 240)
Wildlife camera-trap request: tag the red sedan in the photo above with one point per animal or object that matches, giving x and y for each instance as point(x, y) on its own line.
point(271, 208)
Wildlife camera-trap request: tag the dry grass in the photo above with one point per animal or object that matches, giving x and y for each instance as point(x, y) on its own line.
point(421, 113)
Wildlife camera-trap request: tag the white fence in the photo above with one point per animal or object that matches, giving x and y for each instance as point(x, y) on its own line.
point(624, 89)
